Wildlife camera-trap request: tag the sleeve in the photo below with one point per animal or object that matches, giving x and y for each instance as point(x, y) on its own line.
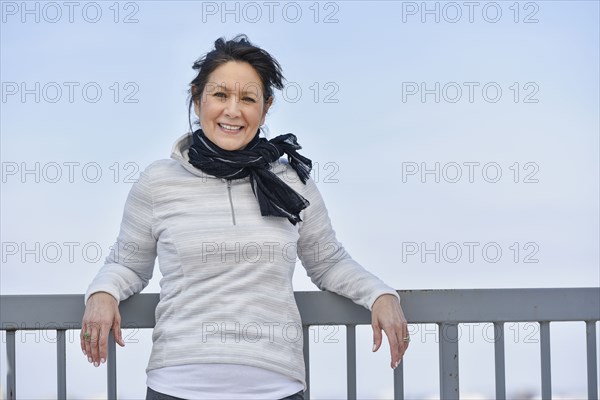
point(130, 264)
point(327, 263)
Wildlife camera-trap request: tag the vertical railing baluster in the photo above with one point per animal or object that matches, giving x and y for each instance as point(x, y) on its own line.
point(61, 364)
point(399, 381)
point(111, 370)
point(11, 372)
point(351, 360)
point(545, 359)
point(499, 364)
point(448, 360)
point(592, 369)
point(306, 350)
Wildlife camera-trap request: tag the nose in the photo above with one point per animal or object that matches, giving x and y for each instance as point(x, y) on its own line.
point(232, 108)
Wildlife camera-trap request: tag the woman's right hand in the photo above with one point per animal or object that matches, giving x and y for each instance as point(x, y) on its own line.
point(101, 314)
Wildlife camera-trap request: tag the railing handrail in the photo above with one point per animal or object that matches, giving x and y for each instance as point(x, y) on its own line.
point(419, 306)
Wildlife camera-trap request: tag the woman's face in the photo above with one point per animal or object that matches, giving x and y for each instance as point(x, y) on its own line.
point(232, 106)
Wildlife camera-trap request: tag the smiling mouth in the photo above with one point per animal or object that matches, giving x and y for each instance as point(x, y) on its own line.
point(230, 128)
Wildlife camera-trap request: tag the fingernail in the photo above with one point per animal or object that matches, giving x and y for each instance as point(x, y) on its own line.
point(96, 363)
point(84, 353)
point(90, 359)
point(397, 363)
point(374, 346)
point(103, 360)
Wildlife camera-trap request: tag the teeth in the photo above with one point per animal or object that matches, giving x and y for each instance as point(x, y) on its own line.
point(231, 127)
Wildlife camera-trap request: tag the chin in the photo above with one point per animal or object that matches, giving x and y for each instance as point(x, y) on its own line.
point(230, 146)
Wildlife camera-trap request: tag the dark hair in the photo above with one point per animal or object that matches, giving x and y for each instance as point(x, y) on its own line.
point(237, 49)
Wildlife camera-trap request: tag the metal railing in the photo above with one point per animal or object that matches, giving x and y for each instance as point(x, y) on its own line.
point(446, 308)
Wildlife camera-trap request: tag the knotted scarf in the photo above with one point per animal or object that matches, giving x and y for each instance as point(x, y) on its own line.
point(273, 195)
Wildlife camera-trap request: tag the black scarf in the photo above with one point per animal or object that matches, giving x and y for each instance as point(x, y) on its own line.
point(273, 195)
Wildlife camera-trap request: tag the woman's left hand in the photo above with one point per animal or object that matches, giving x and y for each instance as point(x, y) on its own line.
point(387, 314)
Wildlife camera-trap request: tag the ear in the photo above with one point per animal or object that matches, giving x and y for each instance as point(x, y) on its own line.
point(196, 102)
point(197, 108)
point(267, 106)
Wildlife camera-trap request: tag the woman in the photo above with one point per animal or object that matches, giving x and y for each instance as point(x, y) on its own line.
point(226, 218)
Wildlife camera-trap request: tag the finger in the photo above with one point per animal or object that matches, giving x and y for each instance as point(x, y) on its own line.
point(403, 340)
point(405, 343)
point(102, 344)
point(393, 340)
point(82, 342)
point(401, 344)
point(376, 336)
point(401, 347)
point(116, 328)
point(87, 340)
point(94, 333)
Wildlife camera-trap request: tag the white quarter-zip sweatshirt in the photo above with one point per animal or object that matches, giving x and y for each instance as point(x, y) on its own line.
point(226, 294)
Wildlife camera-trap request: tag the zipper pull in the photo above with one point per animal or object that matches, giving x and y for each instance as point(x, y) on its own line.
point(230, 201)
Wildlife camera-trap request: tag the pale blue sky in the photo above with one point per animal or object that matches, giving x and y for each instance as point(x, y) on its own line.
point(366, 62)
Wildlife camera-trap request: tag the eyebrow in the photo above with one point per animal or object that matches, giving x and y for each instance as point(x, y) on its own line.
point(220, 85)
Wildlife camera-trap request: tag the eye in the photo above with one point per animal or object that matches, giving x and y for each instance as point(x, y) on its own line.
point(220, 94)
point(250, 99)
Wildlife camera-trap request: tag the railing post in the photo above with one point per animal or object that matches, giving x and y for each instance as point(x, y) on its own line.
point(306, 351)
point(592, 369)
point(11, 389)
point(448, 360)
point(111, 370)
point(351, 360)
point(499, 364)
point(61, 364)
point(545, 359)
